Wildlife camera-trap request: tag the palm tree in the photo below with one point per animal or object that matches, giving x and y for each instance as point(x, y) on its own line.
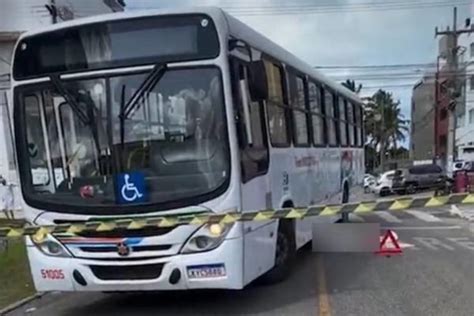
point(384, 123)
point(351, 85)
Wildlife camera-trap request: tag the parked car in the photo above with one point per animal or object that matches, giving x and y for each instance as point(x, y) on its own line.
point(383, 184)
point(457, 166)
point(426, 176)
point(369, 181)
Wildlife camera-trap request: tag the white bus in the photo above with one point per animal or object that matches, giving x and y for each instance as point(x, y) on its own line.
point(166, 112)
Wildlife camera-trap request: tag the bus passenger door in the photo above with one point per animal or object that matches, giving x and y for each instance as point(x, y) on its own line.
point(259, 249)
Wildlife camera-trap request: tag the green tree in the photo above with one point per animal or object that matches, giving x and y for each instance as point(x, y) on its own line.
point(385, 125)
point(351, 85)
point(399, 152)
point(371, 158)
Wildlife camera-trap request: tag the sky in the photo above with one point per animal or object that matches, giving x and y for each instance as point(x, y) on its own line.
point(349, 32)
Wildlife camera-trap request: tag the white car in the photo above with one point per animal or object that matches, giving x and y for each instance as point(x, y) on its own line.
point(369, 181)
point(383, 185)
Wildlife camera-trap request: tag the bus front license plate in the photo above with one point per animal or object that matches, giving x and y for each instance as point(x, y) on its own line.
point(207, 271)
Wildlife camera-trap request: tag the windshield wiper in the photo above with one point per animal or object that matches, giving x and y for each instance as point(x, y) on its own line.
point(127, 108)
point(87, 118)
point(69, 99)
point(148, 83)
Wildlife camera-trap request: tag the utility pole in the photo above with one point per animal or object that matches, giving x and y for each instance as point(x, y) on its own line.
point(53, 10)
point(382, 137)
point(453, 82)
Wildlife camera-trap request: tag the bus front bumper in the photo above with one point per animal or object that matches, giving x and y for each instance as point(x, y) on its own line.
point(218, 268)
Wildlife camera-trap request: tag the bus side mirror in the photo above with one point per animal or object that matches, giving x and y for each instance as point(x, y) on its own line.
point(257, 80)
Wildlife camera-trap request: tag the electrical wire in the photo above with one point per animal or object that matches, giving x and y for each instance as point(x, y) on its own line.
point(374, 87)
point(335, 8)
point(312, 3)
point(376, 67)
point(304, 11)
point(397, 77)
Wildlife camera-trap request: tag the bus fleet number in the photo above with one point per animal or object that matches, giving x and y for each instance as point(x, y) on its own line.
point(52, 274)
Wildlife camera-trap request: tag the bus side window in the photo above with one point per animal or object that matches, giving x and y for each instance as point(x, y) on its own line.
point(359, 126)
point(330, 117)
point(342, 121)
point(350, 120)
point(298, 108)
point(276, 107)
point(40, 172)
point(362, 127)
point(254, 156)
point(317, 120)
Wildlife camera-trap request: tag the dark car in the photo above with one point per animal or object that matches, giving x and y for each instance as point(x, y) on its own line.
point(427, 176)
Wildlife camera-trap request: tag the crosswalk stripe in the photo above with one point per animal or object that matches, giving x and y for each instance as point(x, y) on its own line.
point(424, 216)
point(356, 218)
point(388, 217)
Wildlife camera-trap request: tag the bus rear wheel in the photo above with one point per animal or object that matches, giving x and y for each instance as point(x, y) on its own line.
point(284, 254)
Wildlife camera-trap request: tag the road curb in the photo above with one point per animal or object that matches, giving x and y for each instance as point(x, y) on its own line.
point(21, 302)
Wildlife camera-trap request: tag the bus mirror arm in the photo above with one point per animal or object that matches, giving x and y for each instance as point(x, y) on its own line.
point(236, 43)
point(246, 105)
point(257, 73)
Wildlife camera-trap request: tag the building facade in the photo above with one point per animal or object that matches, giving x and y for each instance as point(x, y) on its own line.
point(441, 119)
point(465, 119)
point(454, 138)
point(422, 131)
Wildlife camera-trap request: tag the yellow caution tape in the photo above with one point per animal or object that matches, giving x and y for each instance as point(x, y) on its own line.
point(363, 207)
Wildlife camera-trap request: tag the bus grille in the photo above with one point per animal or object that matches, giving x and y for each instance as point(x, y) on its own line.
point(133, 272)
point(120, 232)
point(134, 249)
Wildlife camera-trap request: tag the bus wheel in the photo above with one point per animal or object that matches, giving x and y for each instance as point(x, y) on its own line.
point(345, 199)
point(345, 194)
point(284, 254)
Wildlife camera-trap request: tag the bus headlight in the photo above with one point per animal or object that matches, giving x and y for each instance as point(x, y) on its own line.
point(208, 237)
point(51, 247)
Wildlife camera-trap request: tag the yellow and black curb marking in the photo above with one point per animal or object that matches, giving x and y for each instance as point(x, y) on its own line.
point(203, 218)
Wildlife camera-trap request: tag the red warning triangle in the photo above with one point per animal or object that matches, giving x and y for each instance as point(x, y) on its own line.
point(389, 245)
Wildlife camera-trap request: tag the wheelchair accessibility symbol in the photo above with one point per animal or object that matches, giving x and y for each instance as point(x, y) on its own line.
point(130, 188)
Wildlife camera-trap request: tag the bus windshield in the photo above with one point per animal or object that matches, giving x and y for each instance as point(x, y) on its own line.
point(76, 140)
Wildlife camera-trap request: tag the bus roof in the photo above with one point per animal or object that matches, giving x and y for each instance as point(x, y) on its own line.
point(234, 26)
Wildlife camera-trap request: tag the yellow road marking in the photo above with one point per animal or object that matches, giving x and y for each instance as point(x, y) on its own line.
point(323, 298)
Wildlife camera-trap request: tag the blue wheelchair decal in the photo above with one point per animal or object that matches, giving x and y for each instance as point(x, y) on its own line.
point(130, 188)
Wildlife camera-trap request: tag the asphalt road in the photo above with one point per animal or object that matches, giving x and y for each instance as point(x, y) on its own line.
point(433, 276)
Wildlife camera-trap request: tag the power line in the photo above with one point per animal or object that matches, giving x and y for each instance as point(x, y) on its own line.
point(333, 8)
point(315, 10)
point(399, 76)
point(332, 5)
point(387, 86)
point(382, 66)
point(287, 6)
point(311, 3)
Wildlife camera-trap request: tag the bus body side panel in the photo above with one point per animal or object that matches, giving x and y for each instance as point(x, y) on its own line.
point(259, 237)
point(357, 184)
point(301, 173)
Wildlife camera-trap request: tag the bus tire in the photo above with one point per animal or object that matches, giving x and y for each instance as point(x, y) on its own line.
point(345, 199)
point(284, 254)
point(345, 194)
